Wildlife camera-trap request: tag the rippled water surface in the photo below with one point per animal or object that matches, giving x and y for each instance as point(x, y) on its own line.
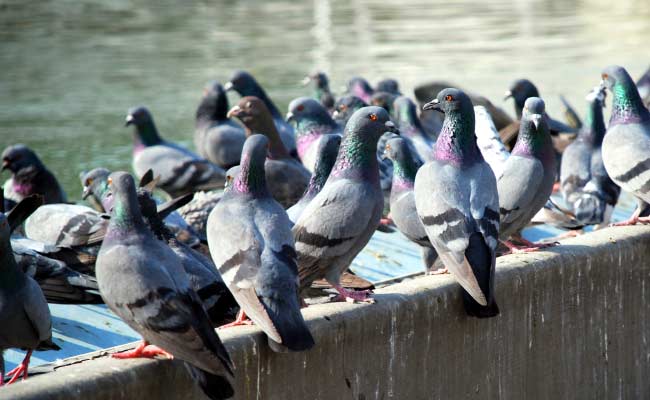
point(70, 69)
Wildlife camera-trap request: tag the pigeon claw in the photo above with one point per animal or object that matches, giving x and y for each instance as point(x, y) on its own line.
point(21, 369)
point(439, 271)
point(633, 221)
point(241, 320)
point(143, 350)
point(352, 296)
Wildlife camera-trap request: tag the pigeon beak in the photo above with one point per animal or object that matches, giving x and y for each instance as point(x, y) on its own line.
point(234, 112)
point(305, 81)
point(507, 95)
point(390, 127)
point(86, 193)
point(228, 86)
point(432, 105)
point(536, 118)
point(335, 114)
point(5, 164)
point(290, 116)
point(129, 120)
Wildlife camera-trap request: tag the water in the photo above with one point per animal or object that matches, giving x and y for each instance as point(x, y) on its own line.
point(70, 69)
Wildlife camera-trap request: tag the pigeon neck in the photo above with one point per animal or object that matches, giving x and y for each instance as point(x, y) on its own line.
point(306, 127)
point(251, 179)
point(457, 141)
point(627, 107)
point(126, 216)
point(322, 170)
point(23, 179)
point(404, 172)
point(594, 127)
point(408, 122)
point(357, 159)
point(147, 135)
point(266, 127)
point(10, 273)
point(212, 108)
point(531, 142)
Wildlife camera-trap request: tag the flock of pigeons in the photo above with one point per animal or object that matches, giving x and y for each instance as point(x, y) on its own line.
point(282, 203)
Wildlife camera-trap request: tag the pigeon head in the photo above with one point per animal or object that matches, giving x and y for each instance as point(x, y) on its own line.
point(19, 157)
point(251, 178)
point(384, 100)
point(404, 166)
point(346, 106)
point(231, 175)
point(257, 118)
point(214, 103)
point(243, 83)
point(389, 85)
point(305, 112)
point(520, 90)
point(533, 131)
point(450, 101)
point(144, 127)
point(125, 211)
point(319, 80)
point(369, 123)
point(360, 87)
point(95, 185)
point(627, 106)
point(406, 115)
point(594, 128)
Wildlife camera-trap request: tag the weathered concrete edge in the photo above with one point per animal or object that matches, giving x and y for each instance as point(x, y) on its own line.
point(106, 378)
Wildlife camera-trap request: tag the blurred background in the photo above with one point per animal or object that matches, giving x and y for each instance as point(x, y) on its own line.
point(71, 68)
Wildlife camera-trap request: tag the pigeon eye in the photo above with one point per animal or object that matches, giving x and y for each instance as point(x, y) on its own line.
point(110, 181)
point(449, 97)
point(300, 108)
point(387, 147)
point(373, 117)
point(89, 181)
point(343, 107)
point(248, 104)
point(604, 76)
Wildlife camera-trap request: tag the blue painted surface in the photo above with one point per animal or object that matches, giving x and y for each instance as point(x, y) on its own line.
point(82, 329)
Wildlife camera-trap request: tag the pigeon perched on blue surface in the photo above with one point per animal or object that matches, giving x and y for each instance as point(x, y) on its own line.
point(338, 223)
point(28, 176)
point(216, 137)
point(180, 170)
point(626, 146)
point(250, 241)
point(457, 201)
point(243, 83)
point(311, 122)
point(587, 189)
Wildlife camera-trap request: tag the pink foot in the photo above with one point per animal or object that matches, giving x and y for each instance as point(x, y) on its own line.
point(144, 350)
point(386, 221)
point(556, 187)
point(20, 369)
point(634, 220)
point(439, 271)
point(352, 296)
point(528, 247)
point(240, 321)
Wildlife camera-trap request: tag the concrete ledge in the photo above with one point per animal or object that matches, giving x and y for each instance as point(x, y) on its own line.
point(573, 325)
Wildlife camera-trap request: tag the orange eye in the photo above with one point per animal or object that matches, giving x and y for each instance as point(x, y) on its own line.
point(373, 117)
point(89, 181)
point(449, 97)
point(387, 147)
point(300, 108)
point(604, 76)
point(110, 180)
point(343, 107)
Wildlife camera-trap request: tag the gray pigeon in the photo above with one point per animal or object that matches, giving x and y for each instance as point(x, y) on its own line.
point(95, 188)
point(358, 86)
point(66, 225)
point(142, 281)
point(389, 85)
point(28, 176)
point(626, 145)
point(24, 315)
point(244, 84)
point(216, 137)
point(322, 91)
point(489, 142)
point(338, 223)
point(345, 106)
point(587, 189)
point(528, 174)
point(384, 100)
point(457, 201)
point(328, 148)
point(402, 199)
point(286, 177)
point(311, 123)
point(250, 241)
point(408, 123)
point(180, 170)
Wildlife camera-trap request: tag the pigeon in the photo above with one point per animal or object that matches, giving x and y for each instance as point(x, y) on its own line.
point(142, 281)
point(402, 199)
point(287, 178)
point(95, 188)
point(180, 170)
point(627, 140)
point(201, 271)
point(216, 137)
point(345, 106)
point(312, 123)
point(326, 152)
point(457, 201)
point(338, 223)
point(528, 174)
point(522, 89)
point(360, 87)
point(66, 225)
point(643, 85)
point(28, 176)
point(322, 91)
point(24, 315)
point(587, 189)
point(384, 100)
point(408, 123)
point(244, 84)
point(250, 241)
point(489, 142)
point(389, 85)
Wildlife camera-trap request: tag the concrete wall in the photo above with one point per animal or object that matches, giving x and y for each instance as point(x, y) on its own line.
point(573, 325)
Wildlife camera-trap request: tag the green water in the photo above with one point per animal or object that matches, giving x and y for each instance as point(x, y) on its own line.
point(70, 69)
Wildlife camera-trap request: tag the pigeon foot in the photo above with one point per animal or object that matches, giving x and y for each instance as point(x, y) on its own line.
point(634, 220)
point(353, 296)
point(241, 320)
point(528, 247)
point(144, 350)
point(20, 369)
point(439, 271)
